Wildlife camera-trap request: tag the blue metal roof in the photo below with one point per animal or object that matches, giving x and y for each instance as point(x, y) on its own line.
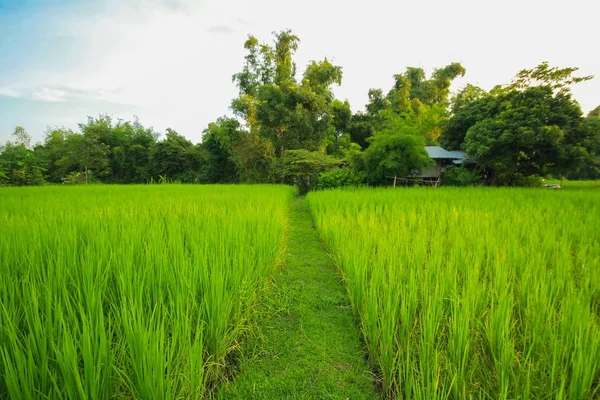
point(438, 152)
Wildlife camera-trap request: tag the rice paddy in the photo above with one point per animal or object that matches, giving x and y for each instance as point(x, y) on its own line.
point(472, 293)
point(130, 292)
point(152, 292)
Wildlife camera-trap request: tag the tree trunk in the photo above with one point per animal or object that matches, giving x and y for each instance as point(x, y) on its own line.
point(282, 171)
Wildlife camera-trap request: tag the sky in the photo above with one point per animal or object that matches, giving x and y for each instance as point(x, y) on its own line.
point(170, 62)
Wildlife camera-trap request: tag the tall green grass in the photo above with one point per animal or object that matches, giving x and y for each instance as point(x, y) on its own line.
point(472, 293)
point(130, 292)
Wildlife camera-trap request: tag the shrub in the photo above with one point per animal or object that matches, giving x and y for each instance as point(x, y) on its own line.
point(340, 177)
point(78, 178)
point(460, 176)
point(520, 180)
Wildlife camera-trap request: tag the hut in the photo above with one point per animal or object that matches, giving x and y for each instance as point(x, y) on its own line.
point(443, 158)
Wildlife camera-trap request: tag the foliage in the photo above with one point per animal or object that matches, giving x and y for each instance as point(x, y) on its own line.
point(464, 96)
point(303, 167)
point(395, 155)
point(290, 114)
point(20, 166)
point(529, 128)
point(341, 177)
point(528, 134)
point(465, 293)
point(88, 153)
point(413, 101)
point(22, 138)
point(78, 178)
point(254, 157)
point(464, 117)
point(3, 177)
point(219, 140)
point(558, 79)
point(460, 176)
point(587, 137)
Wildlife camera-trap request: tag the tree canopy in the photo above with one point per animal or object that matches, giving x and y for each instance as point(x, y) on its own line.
point(287, 126)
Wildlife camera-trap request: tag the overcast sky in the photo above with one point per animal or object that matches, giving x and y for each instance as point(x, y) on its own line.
point(170, 62)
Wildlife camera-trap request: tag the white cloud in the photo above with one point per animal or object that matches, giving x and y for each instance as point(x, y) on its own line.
point(48, 94)
point(10, 92)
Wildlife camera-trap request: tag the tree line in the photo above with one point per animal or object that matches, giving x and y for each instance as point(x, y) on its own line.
point(288, 127)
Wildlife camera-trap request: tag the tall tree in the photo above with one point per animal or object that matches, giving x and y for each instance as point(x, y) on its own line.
point(88, 154)
point(275, 105)
point(395, 155)
point(19, 165)
point(55, 154)
point(530, 127)
point(418, 101)
point(169, 158)
point(218, 140)
point(254, 157)
point(21, 137)
point(558, 79)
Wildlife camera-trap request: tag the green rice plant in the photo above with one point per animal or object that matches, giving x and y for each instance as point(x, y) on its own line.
point(472, 292)
point(133, 291)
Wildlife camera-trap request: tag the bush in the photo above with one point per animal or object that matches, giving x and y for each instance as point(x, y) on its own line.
point(460, 176)
point(340, 177)
point(519, 180)
point(3, 178)
point(78, 178)
point(302, 167)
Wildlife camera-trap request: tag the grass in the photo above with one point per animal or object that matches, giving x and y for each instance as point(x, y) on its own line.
point(130, 292)
point(163, 292)
point(575, 185)
point(472, 293)
point(308, 345)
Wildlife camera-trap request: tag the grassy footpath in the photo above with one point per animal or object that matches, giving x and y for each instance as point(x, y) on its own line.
point(308, 345)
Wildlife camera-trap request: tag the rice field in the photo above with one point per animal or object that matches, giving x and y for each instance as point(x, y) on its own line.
point(472, 293)
point(130, 292)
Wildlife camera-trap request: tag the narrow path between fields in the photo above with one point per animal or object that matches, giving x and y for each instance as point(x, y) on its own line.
point(308, 345)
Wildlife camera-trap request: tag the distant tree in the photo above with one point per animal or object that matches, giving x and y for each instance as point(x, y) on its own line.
point(274, 105)
point(3, 176)
point(131, 145)
point(338, 139)
point(19, 165)
point(218, 140)
point(21, 137)
point(377, 102)
point(464, 117)
point(360, 129)
point(88, 154)
point(527, 128)
point(595, 113)
point(394, 155)
point(413, 101)
point(558, 79)
point(526, 134)
point(587, 137)
point(254, 157)
point(55, 154)
point(302, 167)
point(173, 158)
point(468, 94)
